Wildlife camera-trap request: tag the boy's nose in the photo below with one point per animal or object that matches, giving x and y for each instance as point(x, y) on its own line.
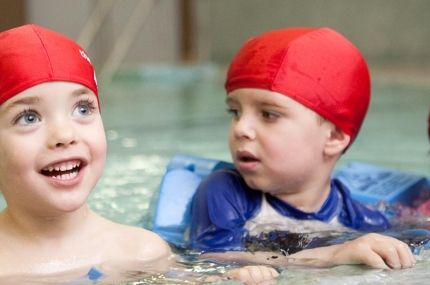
point(243, 128)
point(61, 135)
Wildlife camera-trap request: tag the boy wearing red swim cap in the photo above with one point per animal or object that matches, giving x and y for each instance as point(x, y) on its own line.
point(298, 97)
point(52, 153)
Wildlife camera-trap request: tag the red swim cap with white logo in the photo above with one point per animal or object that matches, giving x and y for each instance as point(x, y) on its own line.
point(30, 55)
point(317, 67)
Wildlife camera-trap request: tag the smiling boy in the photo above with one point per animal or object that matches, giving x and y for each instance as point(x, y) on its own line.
point(53, 150)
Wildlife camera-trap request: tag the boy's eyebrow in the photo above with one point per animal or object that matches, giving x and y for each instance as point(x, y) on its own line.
point(35, 99)
point(273, 104)
point(81, 91)
point(263, 103)
point(23, 101)
point(230, 100)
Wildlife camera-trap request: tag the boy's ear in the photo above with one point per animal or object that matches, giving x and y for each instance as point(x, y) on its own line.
point(337, 142)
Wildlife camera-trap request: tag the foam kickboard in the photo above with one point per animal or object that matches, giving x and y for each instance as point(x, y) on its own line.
point(370, 184)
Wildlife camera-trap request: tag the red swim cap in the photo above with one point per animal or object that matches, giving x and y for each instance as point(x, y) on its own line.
point(30, 55)
point(317, 67)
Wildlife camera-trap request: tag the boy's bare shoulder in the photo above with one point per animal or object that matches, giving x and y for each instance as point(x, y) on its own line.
point(143, 243)
point(139, 249)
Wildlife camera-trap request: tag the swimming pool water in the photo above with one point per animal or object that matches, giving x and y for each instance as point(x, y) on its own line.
point(150, 116)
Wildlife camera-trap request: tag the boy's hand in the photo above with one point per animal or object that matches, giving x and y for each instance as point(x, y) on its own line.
point(250, 275)
point(375, 250)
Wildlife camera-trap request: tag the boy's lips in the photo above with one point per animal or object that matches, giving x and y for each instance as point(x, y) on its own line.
point(246, 161)
point(63, 170)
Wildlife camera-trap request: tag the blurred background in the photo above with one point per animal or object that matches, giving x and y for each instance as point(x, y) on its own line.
point(391, 34)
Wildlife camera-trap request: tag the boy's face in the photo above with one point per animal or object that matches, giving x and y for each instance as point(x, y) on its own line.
point(52, 148)
point(276, 143)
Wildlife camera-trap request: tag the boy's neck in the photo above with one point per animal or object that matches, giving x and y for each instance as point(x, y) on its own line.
point(310, 199)
point(37, 228)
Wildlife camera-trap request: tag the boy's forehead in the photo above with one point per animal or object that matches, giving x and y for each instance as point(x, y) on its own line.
point(36, 94)
point(262, 97)
point(30, 55)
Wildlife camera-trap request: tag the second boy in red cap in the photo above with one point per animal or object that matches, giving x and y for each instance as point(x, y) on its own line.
point(298, 97)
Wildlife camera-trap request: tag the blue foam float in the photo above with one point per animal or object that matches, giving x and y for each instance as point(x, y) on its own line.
point(180, 182)
point(371, 184)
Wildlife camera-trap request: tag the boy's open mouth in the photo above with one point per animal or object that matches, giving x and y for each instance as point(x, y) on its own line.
point(247, 158)
point(63, 171)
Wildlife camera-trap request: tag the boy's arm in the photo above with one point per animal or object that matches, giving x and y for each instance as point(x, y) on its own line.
point(374, 250)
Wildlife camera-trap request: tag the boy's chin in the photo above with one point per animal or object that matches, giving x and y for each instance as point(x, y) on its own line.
point(255, 183)
point(70, 204)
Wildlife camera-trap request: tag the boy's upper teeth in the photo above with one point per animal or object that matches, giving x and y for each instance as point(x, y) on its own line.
point(63, 166)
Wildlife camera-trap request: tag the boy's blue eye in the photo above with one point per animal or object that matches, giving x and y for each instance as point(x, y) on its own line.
point(84, 108)
point(27, 117)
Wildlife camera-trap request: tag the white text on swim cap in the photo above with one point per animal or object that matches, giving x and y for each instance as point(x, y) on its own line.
point(84, 55)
